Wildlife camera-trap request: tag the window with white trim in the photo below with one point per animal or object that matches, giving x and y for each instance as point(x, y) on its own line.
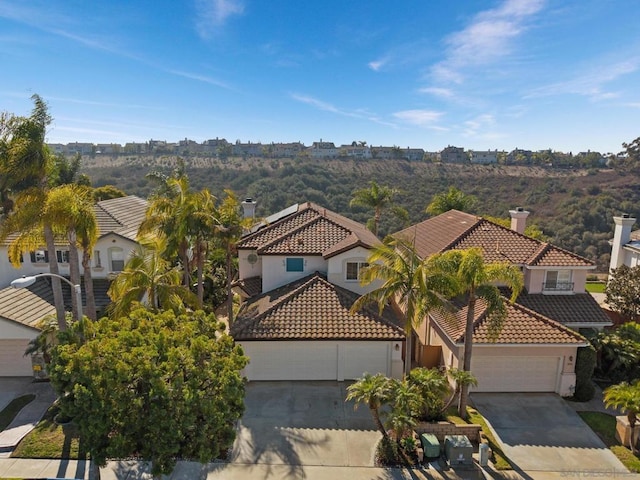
point(97, 263)
point(353, 270)
point(116, 258)
point(39, 256)
point(62, 256)
point(558, 280)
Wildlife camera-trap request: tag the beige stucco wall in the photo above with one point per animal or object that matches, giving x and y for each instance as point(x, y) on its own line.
point(11, 330)
point(337, 270)
point(274, 272)
point(246, 269)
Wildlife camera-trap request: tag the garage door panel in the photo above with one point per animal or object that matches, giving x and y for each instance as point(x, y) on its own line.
point(315, 360)
point(516, 374)
point(13, 363)
point(370, 358)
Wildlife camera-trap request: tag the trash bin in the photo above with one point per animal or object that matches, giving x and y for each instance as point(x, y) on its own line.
point(430, 445)
point(483, 454)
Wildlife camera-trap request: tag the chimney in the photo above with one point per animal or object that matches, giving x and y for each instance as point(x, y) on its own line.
point(518, 219)
point(249, 208)
point(621, 236)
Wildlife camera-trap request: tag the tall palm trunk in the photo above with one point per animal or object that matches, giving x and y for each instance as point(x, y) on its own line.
point(376, 418)
point(74, 269)
point(88, 284)
point(200, 256)
point(229, 293)
point(468, 346)
point(58, 299)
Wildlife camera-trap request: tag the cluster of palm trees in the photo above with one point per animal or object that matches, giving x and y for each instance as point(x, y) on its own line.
point(416, 287)
point(180, 233)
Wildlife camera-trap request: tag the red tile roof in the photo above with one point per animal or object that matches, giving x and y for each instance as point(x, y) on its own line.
point(579, 308)
point(312, 309)
point(309, 230)
point(521, 326)
point(459, 230)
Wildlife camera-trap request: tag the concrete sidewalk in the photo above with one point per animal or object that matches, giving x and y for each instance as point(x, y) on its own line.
point(132, 470)
point(29, 416)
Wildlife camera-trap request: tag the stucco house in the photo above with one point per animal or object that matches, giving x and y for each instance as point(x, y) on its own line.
point(22, 309)
point(625, 246)
point(298, 277)
point(537, 346)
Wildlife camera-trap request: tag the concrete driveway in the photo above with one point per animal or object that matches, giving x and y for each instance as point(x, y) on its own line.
point(12, 387)
point(541, 433)
point(303, 424)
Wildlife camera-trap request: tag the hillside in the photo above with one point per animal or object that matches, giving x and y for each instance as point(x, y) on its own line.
point(573, 207)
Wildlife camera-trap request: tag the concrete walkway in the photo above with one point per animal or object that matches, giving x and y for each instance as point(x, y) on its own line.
point(29, 416)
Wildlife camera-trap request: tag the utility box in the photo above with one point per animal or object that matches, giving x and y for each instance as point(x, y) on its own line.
point(483, 454)
point(430, 445)
point(458, 450)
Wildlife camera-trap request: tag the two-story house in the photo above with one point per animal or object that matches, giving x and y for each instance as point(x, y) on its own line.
point(536, 349)
point(299, 276)
point(21, 310)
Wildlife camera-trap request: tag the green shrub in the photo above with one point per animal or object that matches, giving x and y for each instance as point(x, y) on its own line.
point(387, 452)
point(585, 364)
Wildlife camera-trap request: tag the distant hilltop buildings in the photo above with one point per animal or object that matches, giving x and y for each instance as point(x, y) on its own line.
point(219, 147)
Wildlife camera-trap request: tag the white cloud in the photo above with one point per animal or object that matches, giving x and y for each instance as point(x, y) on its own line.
point(437, 91)
point(328, 107)
point(488, 38)
point(376, 65)
point(199, 78)
point(212, 14)
point(421, 118)
point(591, 83)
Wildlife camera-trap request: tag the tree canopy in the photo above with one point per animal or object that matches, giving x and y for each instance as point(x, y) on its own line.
point(452, 199)
point(623, 291)
point(159, 386)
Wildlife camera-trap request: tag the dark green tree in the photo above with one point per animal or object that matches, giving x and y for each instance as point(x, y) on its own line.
point(623, 291)
point(451, 199)
point(157, 385)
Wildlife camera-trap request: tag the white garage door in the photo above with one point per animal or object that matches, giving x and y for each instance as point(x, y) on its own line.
point(13, 363)
point(516, 374)
point(315, 360)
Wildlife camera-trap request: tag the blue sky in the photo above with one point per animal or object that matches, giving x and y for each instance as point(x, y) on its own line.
point(535, 74)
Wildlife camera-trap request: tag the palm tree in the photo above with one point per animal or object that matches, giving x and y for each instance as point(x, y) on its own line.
point(452, 199)
point(148, 275)
point(26, 165)
point(374, 391)
point(411, 289)
point(477, 280)
point(460, 378)
point(70, 209)
point(407, 406)
point(378, 198)
point(170, 212)
point(626, 397)
point(203, 223)
point(231, 225)
point(433, 386)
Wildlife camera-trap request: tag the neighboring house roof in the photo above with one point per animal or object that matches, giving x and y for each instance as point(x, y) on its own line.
point(29, 305)
point(249, 286)
point(459, 230)
point(312, 309)
point(121, 216)
point(520, 326)
point(579, 308)
point(308, 229)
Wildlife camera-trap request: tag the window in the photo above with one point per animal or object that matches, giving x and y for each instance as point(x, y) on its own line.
point(96, 259)
point(558, 280)
point(353, 269)
point(40, 256)
point(62, 256)
point(295, 264)
point(117, 259)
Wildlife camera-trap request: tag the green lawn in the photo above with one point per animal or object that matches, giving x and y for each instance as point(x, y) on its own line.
point(10, 411)
point(605, 427)
point(50, 440)
point(595, 287)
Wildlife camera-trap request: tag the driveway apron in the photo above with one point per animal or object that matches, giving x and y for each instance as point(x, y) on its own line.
point(303, 424)
point(540, 432)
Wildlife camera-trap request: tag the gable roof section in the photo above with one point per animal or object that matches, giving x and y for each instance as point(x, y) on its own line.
point(521, 326)
point(312, 309)
point(29, 305)
point(121, 216)
point(309, 230)
point(459, 230)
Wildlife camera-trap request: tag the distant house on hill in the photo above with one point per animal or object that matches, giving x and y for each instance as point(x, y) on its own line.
point(453, 155)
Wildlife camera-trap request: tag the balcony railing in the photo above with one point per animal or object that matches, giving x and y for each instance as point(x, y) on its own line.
point(557, 287)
